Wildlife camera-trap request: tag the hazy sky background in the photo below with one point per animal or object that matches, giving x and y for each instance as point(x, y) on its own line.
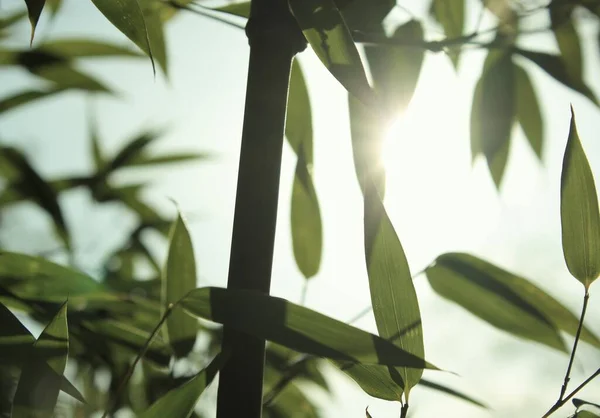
point(436, 199)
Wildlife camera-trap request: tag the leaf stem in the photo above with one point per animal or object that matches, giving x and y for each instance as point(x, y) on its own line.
point(404, 410)
point(561, 398)
point(138, 358)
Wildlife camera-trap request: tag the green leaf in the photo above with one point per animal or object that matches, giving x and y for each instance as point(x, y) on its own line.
point(555, 67)
point(178, 279)
point(451, 392)
point(34, 9)
point(236, 9)
point(180, 402)
point(290, 402)
point(298, 121)
point(396, 69)
point(67, 77)
point(579, 212)
point(129, 17)
point(327, 33)
point(84, 48)
point(31, 184)
point(38, 388)
point(528, 112)
point(131, 151)
point(567, 39)
point(450, 14)
point(504, 300)
point(54, 5)
point(365, 15)
point(393, 296)
point(35, 278)
point(307, 230)
point(294, 326)
point(586, 414)
point(156, 37)
point(8, 21)
point(26, 97)
point(146, 160)
point(580, 402)
point(366, 133)
point(493, 112)
point(97, 156)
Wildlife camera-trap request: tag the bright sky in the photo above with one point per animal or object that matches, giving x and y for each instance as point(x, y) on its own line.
point(438, 202)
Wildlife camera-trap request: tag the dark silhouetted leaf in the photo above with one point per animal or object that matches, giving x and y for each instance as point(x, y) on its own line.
point(580, 402)
point(393, 296)
point(129, 18)
point(180, 402)
point(298, 121)
point(307, 231)
point(493, 112)
point(365, 15)
point(236, 9)
point(579, 215)
point(67, 77)
point(294, 326)
point(34, 9)
point(567, 39)
point(325, 30)
point(555, 67)
point(290, 402)
point(31, 184)
point(81, 48)
point(38, 388)
point(504, 300)
point(179, 278)
point(450, 14)
point(146, 160)
point(26, 97)
point(132, 150)
point(528, 112)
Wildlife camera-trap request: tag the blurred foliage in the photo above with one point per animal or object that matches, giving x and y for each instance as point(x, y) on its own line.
point(108, 323)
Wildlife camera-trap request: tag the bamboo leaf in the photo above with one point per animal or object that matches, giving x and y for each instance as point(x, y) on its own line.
point(290, 402)
point(585, 414)
point(178, 279)
point(72, 48)
point(26, 97)
point(493, 112)
point(528, 112)
point(67, 77)
point(180, 402)
point(450, 14)
point(31, 184)
point(236, 9)
point(54, 6)
point(393, 296)
point(294, 326)
point(34, 9)
point(328, 35)
point(143, 160)
point(554, 66)
point(129, 18)
point(132, 150)
point(298, 121)
point(38, 388)
point(578, 403)
point(451, 392)
point(504, 300)
point(155, 27)
point(8, 21)
point(567, 39)
point(579, 212)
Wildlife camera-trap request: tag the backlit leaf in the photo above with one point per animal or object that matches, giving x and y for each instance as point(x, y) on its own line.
point(567, 38)
point(298, 121)
point(528, 112)
point(131, 151)
point(146, 160)
point(178, 279)
point(506, 301)
point(290, 402)
point(156, 37)
point(26, 97)
point(34, 9)
point(236, 9)
point(129, 18)
point(328, 35)
point(393, 296)
point(493, 112)
point(450, 14)
point(556, 68)
point(180, 402)
point(579, 212)
point(84, 48)
point(294, 326)
point(38, 388)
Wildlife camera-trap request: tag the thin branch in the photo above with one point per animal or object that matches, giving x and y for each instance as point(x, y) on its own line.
point(561, 400)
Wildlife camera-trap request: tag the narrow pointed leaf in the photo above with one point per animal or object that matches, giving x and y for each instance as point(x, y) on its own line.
point(567, 39)
point(556, 68)
point(451, 392)
point(294, 326)
point(396, 69)
point(178, 279)
point(493, 112)
point(180, 402)
point(328, 35)
point(298, 121)
point(54, 6)
point(290, 401)
point(506, 301)
point(307, 231)
point(450, 14)
point(38, 388)
point(579, 212)
point(393, 296)
point(31, 184)
point(156, 37)
point(146, 160)
point(528, 112)
point(127, 16)
point(97, 156)
point(34, 9)
point(236, 9)
point(67, 77)
point(84, 48)
point(26, 97)
point(131, 151)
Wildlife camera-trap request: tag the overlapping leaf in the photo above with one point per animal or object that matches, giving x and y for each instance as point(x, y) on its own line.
point(528, 112)
point(450, 14)
point(25, 97)
point(294, 326)
point(579, 215)
point(291, 401)
point(180, 402)
point(567, 38)
point(178, 279)
point(38, 388)
point(504, 300)
point(393, 296)
point(328, 35)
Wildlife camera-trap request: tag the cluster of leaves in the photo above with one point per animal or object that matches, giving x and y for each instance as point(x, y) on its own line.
point(105, 324)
